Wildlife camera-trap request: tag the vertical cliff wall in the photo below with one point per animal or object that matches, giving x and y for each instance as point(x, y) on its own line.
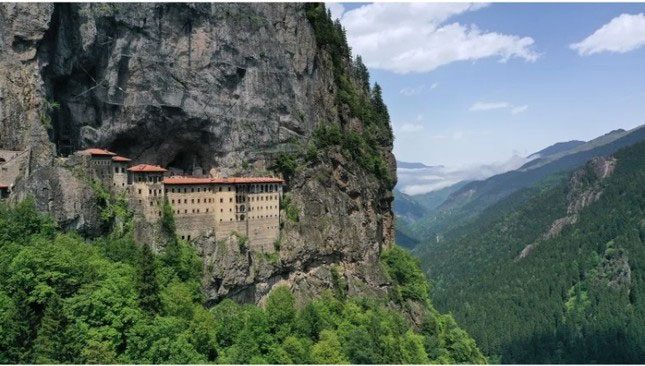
point(228, 88)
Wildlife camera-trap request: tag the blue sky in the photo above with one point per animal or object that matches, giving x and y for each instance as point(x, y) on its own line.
point(482, 83)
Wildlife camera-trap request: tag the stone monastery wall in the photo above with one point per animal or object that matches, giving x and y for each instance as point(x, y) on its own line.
point(201, 206)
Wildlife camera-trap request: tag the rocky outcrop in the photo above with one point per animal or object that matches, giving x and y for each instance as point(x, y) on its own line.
point(71, 202)
point(584, 189)
point(221, 87)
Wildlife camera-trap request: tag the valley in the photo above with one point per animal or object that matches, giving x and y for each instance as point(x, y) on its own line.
point(544, 264)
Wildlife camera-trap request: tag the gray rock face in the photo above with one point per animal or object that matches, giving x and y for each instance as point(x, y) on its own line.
point(221, 87)
point(584, 189)
point(71, 202)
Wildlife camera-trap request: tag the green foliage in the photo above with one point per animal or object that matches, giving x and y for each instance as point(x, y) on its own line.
point(45, 115)
point(360, 147)
point(339, 283)
point(286, 164)
point(328, 349)
point(65, 300)
point(242, 242)
point(114, 210)
point(168, 219)
point(570, 300)
point(148, 284)
point(290, 209)
point(329, 35)
point(408, 280)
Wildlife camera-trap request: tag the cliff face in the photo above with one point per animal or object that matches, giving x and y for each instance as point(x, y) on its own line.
point(221, 87)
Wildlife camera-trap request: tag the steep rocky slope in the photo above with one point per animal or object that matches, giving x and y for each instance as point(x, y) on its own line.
point(229, 88)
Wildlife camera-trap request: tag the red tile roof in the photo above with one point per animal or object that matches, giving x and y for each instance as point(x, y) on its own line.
point(188, 180)
point(120, 159)
point(145, 168)
point(233, 180)
point(97, 152)
point(2, 186)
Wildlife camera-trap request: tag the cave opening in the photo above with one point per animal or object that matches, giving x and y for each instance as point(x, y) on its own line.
point(67, 75)
point(188, 161)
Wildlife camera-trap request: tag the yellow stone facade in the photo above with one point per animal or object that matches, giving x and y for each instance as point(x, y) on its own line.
point(201, 206)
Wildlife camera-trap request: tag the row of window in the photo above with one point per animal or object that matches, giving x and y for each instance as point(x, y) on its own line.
point(240, 199)
point(192, 200)
point(149, 178)
point(192, 190)
point(194, 210)
point(260, 208)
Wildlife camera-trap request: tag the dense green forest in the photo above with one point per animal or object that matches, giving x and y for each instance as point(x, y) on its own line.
point(66, 299)
point(579, 297)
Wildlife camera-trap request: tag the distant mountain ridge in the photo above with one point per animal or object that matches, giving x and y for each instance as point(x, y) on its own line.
point(501, 185)
point(465, 200)
point(556, 148)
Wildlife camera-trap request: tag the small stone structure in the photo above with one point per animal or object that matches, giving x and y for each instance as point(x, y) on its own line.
point(246, 206)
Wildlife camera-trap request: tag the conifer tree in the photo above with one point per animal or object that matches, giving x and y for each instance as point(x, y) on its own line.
point(362, 73)
point(379, 106)
point(148, 285)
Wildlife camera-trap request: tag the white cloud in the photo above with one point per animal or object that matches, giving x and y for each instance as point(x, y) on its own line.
point(624, 33)
point(415, 189)
point(519, 109)
point(337, 9)
point(411, 127)
point(418, 181)
point(417, 37)
point(487, 106)
point(411, 91)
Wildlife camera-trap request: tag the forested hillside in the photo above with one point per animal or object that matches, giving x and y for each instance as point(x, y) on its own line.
point(470, 200)
point(66, 300)
point(579, 295)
